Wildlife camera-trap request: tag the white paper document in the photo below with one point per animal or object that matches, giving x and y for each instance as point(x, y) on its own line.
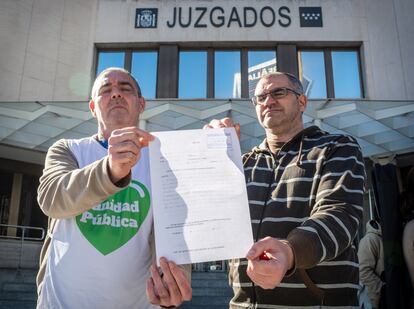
point(199, 196)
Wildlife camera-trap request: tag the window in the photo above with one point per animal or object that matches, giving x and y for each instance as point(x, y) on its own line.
point(330, 73)
point(25, 190)
point(6, 183)
point(312, 73)
point(260, 63)
point(226, 74)
point(30, 213)
point(144, 70)
point(345, 67)
point(141, 64)
point(110, 59)
point(223, 74)
point(192, 76)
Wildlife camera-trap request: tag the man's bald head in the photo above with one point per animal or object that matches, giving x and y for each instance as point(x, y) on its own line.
point(113, 69)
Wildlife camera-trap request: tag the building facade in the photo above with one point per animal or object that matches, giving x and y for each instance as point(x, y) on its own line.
point(198, 60)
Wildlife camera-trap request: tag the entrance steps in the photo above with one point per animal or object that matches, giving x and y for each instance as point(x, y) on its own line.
point(210, 291)
point(18, 288)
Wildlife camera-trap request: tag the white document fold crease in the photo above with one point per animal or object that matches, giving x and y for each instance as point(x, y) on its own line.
point(199, 196)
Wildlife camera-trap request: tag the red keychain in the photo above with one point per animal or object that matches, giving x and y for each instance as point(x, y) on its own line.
point(264, 256)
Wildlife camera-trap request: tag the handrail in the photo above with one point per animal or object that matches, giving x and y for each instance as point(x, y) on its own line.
point(24, 228)
point(22, 237)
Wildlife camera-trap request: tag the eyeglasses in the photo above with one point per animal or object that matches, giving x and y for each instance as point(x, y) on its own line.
point(277, 93)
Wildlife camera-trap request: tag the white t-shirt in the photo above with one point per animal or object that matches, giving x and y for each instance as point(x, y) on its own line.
point(101, 258)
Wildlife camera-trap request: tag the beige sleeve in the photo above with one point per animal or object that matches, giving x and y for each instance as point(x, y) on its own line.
point(65, 190)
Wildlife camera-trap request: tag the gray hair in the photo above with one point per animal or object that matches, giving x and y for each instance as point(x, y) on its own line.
point(115, 69)
point(293, 80)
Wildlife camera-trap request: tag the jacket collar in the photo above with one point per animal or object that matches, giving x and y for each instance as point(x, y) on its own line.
point(312, 130)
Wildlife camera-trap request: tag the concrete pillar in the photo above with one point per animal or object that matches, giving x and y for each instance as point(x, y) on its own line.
point(167, 83)
point(287, 59)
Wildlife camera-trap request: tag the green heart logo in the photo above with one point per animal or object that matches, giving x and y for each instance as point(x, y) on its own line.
point(112, 223)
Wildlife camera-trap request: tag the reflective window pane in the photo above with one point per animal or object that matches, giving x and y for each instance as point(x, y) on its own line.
point(312, 73)
point(192, 80)
point(346, 76)
point(260, 63)
point(110, 59)
point(144, 69)
point(226, 74)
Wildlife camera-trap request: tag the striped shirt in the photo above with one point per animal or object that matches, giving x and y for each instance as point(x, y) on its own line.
point(311, 194)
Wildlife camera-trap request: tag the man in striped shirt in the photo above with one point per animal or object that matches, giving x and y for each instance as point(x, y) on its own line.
point(305, 190)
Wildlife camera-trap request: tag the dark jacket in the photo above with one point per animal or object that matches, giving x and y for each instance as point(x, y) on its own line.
point(311, 194)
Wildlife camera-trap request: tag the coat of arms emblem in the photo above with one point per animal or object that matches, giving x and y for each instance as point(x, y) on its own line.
point(146, 18)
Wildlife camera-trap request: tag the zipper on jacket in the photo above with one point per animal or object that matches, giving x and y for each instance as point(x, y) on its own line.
point(259, 228)
point(275, 162)
point(268, 195)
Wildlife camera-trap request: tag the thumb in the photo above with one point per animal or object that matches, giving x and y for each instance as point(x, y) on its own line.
point(259, 247)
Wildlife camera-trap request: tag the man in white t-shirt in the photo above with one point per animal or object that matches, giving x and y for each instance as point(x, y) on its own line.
point(99, 250)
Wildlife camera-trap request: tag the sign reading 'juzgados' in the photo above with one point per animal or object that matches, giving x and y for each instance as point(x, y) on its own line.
point(218, 17)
